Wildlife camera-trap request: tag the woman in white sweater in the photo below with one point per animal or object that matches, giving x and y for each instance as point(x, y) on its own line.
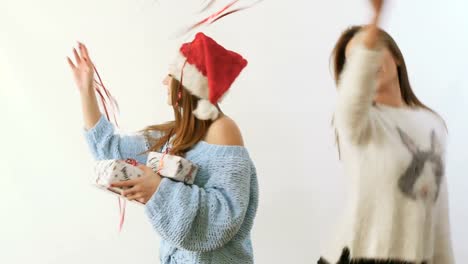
point(393, 149)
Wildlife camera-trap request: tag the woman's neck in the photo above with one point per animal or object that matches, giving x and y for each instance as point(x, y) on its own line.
point(390, 94)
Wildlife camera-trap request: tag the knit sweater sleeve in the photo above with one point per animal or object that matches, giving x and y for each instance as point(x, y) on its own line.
point(203, 219)
point(356, 91)
point(443, 252)
point(106, 143)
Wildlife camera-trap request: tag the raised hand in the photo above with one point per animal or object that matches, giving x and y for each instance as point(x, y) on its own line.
point(83, 70)
point(372, 30)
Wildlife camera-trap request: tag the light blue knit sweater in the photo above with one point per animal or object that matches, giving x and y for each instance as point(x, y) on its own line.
point(208, 222)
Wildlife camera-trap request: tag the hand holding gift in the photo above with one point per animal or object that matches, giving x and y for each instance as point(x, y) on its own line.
point(140, 188)
point(138, 182)
point(111, 171)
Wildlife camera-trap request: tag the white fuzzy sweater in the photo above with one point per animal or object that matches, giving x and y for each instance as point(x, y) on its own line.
point(394, 160)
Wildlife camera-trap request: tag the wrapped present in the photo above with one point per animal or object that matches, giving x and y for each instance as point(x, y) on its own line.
point(173, 167)
point(111, 171)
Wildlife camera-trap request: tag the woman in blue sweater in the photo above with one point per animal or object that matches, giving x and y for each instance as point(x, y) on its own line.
point(210, 221)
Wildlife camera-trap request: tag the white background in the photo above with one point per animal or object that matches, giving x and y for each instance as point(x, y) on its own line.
point(283, 103)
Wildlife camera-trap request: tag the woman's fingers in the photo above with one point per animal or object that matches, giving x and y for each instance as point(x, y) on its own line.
point(137, 196)
point(377, 4)
point(131, 191)
point(129, 183)
point(70, 62)
point(372, 31)
point(77, 57)
point(84, 51)
point(82, 54)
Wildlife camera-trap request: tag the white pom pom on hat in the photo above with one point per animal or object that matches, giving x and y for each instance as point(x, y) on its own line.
point(206, 110)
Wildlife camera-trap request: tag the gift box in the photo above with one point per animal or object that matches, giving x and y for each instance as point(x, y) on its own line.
point(112, 171)
point(170, 166)
point(173, 167)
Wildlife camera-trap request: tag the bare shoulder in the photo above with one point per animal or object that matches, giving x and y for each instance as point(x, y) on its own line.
point(224, 131)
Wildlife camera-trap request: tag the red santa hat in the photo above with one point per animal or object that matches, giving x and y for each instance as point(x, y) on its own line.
point(207, 70)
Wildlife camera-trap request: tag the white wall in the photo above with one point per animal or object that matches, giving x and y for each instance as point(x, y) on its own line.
point(283, 103)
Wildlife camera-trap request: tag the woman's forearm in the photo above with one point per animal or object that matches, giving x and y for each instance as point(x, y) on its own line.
point(90, 108)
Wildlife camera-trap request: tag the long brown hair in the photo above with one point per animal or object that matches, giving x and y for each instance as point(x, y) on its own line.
point(185, 130)
point(339, 61)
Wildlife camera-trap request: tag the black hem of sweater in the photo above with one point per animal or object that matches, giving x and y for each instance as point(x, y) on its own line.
point(345, 259)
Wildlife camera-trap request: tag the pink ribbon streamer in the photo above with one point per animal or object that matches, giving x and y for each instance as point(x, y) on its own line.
point(108, 101)
point(219, 14)
point(111, 107)
point(213, 16)
point(122, 206)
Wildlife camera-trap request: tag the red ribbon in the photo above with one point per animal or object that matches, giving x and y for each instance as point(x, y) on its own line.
point(108, 101)
point(179, 87)
point(132, 162)
point(219, 14)
point(111, 106)
point(213, 16)
point(122, 206)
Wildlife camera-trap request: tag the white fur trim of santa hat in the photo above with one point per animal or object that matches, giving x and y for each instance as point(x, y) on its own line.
point(197, 84)
point(193, 80)
point(206, 110)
